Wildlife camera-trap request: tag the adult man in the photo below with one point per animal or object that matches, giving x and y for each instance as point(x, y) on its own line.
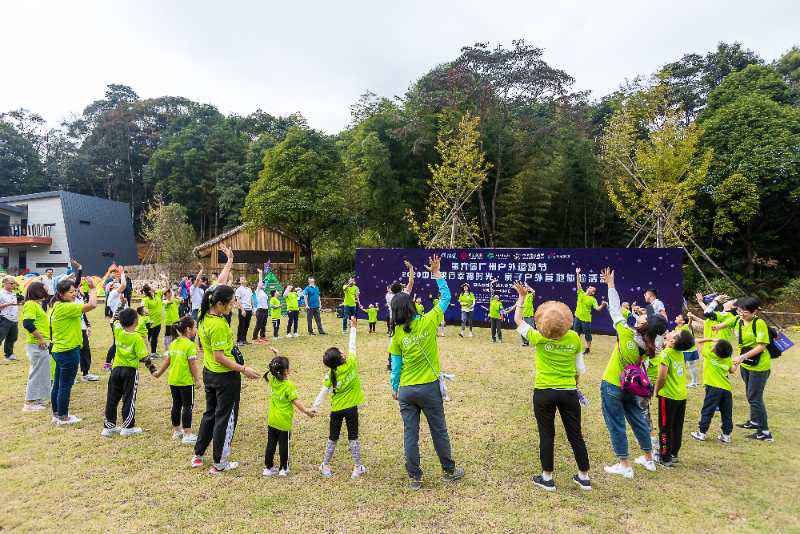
point(467, 302)
point(197, 291)
point(244, 301)
point(9, 316)
point(350, 303)
point(583, 310)
point(654, 306)
point(49, 286)
point(311, 293)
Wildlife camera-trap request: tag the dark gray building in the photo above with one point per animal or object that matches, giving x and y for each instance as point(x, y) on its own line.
point(48, 229)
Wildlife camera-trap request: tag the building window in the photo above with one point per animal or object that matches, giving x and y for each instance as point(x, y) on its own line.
point(87, 223)
point(54, 252)
point(45, 265)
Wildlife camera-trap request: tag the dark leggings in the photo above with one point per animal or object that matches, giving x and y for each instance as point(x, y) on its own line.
point(112, 350)
point(182, 404)
point(350, 416)
point(280, 439)
point(276, 327)
point(152, 334)
point(291, 324)
point(261, 323)
point(545, 404)
point(497, 329)
point(86, 355)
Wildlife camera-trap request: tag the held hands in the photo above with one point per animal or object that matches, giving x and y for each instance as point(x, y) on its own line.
point(434, 263)
point(250, 373)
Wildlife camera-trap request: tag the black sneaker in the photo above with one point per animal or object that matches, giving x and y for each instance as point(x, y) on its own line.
point(762, 436)
point(547, 485)
point(749, 425)
point(455, 474)
point(586, 350)
point(585, 485)
point(461, 334)
point(414, 484)
point(666, 462)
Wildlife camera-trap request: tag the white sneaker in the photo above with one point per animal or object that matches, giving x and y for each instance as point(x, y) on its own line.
point(109, 432)
point(29, 407)
point(724, 438)
point(325, 470)
point(11, 358)
point(70, 420)
point(471, 334)
point(269, 471)
point(90, 378)
point(358, 471)
point(699, 436)
point(650, 465)
point(229, 466)
point(283, 473)
point(619, 469)
point(189, 439)
point(125, 432)
point(177, 434)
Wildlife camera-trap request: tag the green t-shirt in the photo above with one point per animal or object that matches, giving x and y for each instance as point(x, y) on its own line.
point(33, 310)
point(653, 365)
point(274, 308)
point(419, 349)
point(65, 317)
point(626, 352)
point(155, 307)
point(555, 359)
point(716, 371)
point(130, 348)
point(171, 315)
point(292, 301)
point(584, 307)
point(467, 300)
point(675, 385)
point(420, 308)
point(494, 309)
point(181, 351)
point(350, 293)
point(84, 285)
point(215, 334)
point(144, 324)
point(348, 385)
point(281, 409)
point(750, 340)
point(527, 306)
point(372, 315)
point(625, 313)
point(724, 318)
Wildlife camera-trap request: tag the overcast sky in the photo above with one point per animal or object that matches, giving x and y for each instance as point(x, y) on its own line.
point(317, 57)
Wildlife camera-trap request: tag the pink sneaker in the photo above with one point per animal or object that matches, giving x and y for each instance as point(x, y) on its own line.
point(197, 461)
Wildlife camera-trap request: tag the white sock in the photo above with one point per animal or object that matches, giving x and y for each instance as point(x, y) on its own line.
point(583, 476)
point(545, 476)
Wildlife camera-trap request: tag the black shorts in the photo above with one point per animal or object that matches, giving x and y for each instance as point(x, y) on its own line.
point(583, 327)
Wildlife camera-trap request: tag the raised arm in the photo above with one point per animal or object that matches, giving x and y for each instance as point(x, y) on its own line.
point(222, 279)
point(410, 284)
point(288, 290)
point(92, 304)
point(123, 280)
point(197, 276)
point(521, 292)
point(614, 307)
point(351, 347)
point(699, 298)
point(578, 278)
point(434, 265)
point(260, 279)
point(78, 272)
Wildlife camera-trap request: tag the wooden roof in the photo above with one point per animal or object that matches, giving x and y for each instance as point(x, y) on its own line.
point(233, 231)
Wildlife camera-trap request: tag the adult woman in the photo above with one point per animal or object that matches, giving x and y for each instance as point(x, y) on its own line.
point(467, 302)
point(756, 365)
point(558, 362)
point(221, 376)
point(632, 345)
point(67, 339)
point(415, 377)
point(34, 320)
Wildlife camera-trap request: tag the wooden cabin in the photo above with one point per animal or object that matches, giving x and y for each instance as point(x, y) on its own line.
point(251, 249)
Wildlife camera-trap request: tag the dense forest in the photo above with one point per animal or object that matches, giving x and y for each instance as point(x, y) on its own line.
point(721, 129)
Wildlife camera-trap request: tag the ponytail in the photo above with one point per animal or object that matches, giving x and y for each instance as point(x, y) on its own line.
point(220, 294)
point(332, 359)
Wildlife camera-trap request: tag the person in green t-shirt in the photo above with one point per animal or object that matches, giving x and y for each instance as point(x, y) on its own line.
point(559, 361)
point(496, 318)
point(717, 368)
point(351, 302)
point(275, 313)
point(527, 311)
point(292, 310)
point(416, 377)
point(418, 305)
point(670, 390)
point(372, 317)
point(67, 339)
point(34, 320)
point(183, 379)
point(691, 357)
point(221, 376)
point(171, 316)
point(467, 302)
point(282, 402)
point(153, 302)
point(143, 325)
point(756, 364)
point(344, 385)
point(583, 310)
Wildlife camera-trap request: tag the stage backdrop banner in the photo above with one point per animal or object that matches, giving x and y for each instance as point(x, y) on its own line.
point(551, 272)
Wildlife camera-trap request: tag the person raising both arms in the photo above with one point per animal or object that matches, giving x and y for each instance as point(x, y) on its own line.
point(350, 304)
point(467, 302)
point(654, 306)
point(583, 310)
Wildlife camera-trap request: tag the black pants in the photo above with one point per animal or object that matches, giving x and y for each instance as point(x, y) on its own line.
point(277, 439)
point(291, 324)
point(86, 355)
point(222, 411)
point(372, 327)
point(276, 327)
point(717, 398)
point(182, 404)
point(112, 350)
point(545, 404)
point(152, 335)
point(9, 331)
point(313, 313)
point(122, 385)
point(244, 325)
point(497, 329)
point(350, 416)
point(260, 330)
point(670, 427)
point(754, 383)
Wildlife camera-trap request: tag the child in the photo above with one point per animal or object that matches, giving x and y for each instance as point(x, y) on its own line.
point(275, 312)
point(171, 317)
point(130, 350)
point(372, 317)
point(717, 368)
point(671, 391)
point(690, 356)
point(183, 378)
point(143, 326)
point(282, 403)
point(344, 384)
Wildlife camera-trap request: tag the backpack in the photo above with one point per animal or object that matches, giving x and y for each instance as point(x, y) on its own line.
point(772, 348)
point(634, 379)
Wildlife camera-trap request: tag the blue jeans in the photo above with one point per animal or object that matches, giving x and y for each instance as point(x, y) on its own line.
point(617, 408)
point(66, 370)
point(347, 312)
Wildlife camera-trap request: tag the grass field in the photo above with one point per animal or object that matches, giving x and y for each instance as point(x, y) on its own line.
point(69, 479)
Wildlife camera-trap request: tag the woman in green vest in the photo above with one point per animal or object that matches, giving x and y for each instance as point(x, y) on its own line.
point(467, 302)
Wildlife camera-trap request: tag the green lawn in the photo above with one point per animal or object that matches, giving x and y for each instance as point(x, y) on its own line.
point(72, 479)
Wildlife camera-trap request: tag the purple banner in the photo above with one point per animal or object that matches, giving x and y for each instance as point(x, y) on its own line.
point(551, 272)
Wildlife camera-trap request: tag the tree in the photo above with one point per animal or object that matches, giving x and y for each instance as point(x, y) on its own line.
point(788, 66)
point(20, 167)
point(462, 171)
point(298, 189)
point(167, 228)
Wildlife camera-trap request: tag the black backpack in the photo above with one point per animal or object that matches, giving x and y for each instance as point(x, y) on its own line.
point(772, 348)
